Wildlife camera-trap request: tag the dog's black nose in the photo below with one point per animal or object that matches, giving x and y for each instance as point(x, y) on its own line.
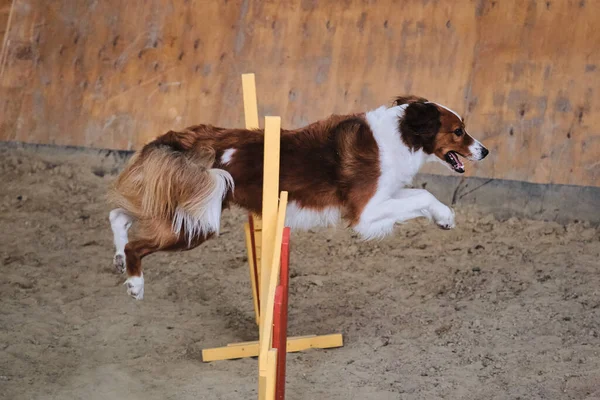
point(484, 152)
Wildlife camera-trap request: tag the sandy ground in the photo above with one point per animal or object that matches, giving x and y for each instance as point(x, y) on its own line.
point(490, 310)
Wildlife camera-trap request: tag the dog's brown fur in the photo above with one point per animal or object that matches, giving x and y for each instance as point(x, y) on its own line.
point(333, 162)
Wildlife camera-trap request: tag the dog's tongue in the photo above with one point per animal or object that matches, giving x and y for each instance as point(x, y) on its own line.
point(454, 157)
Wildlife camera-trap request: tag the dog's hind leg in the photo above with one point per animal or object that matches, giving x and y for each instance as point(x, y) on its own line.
point(120, 222)
point(154, 236)
point(134, 252)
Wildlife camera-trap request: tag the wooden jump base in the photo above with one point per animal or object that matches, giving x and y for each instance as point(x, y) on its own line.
point(294, 344)
point(267, 244)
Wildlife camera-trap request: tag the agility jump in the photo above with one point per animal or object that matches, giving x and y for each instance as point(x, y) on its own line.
point(267, 242)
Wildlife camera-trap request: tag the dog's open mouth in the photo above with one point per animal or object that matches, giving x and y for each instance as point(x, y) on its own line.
point(455, 163)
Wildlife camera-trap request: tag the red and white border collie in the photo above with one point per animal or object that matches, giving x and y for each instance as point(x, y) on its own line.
point(346, 167)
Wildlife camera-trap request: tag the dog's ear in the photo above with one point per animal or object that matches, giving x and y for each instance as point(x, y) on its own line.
point(408, 99)
point(420, 119)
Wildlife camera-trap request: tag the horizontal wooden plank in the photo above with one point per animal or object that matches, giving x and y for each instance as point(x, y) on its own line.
point(294, 345)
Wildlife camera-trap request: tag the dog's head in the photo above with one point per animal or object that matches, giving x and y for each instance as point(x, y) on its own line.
point(438, 131)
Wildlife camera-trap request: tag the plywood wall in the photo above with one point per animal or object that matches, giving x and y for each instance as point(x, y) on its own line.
point(114, 74)
point(4, 13)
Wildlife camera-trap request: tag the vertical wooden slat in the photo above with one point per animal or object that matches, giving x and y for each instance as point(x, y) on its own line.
point(270, 199)
point(252, 266)
point(253, 246)
point(272, 371)
point(250, 102)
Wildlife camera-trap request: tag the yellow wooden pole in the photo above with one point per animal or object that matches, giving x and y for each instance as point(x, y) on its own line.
point(269, 206)
point(268, 378)
point(271, 374)
point(250, 252)
point(254, 253)
point(250, 103)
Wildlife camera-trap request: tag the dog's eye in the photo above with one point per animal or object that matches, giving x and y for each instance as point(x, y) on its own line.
point(458, 132)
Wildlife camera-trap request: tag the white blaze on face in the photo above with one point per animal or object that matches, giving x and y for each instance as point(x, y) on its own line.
point(478, 151)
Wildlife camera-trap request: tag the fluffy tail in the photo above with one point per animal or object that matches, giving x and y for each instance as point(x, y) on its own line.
point(164, 183)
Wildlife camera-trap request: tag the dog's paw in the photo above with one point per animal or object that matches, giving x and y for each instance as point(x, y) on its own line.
point(119, 263)
point(135, 287)
point(444, 218)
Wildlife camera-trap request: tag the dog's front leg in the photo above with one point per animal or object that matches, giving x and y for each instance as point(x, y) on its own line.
point(378, 218)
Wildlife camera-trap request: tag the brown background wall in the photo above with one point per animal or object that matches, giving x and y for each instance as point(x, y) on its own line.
point(114, 74)
point(4, 12)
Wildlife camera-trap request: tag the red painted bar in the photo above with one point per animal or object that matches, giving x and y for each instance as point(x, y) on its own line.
point(277, 309)
point(282, 319)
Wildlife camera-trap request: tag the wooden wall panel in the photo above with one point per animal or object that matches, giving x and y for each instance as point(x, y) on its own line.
point(115, 74)
point(4, 12)
point(535, 90)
